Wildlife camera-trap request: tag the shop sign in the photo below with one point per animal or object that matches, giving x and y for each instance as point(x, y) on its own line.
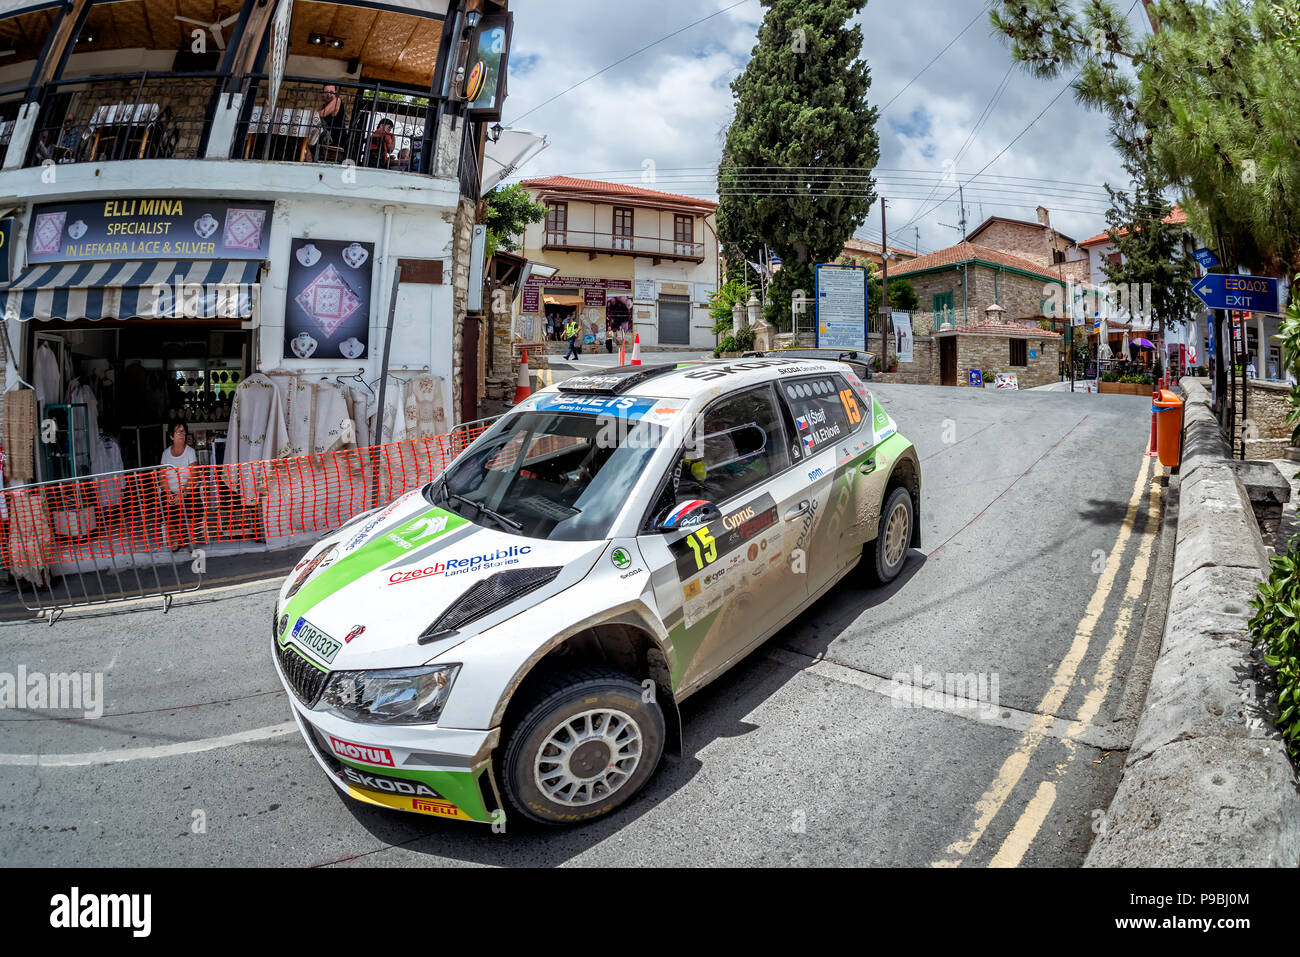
point(530, 298)
point(645, 289)
point(149, 228)
point(593, 297)
point(327, 309)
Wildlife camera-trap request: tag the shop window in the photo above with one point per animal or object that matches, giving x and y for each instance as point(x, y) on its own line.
point(557, 224)
point(623, 218)
point(1019, 353)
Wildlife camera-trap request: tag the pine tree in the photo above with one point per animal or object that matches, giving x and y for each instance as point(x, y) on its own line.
point(1152, 250)
point(795, 170)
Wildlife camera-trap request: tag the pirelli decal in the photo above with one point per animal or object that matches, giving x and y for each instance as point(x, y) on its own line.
point(708, 543)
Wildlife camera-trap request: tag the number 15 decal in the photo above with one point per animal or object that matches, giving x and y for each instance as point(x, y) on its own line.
point(850, 404)
point(703, 546)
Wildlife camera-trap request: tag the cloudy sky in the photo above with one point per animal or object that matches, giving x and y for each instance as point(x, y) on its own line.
point(663, 112)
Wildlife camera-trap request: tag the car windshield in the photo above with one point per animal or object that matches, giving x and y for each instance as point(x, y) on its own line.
point(556, 475)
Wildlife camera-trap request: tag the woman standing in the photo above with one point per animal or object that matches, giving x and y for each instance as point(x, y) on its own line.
point(178, 460)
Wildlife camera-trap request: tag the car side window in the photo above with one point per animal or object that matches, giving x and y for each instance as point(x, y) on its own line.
point(824, 409)
point(744, 443)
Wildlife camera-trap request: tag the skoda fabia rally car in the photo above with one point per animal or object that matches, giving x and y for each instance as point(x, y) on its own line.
point(516, 636)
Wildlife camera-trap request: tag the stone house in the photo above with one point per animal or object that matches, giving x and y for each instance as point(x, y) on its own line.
point(981, 307)
point(1035, 242)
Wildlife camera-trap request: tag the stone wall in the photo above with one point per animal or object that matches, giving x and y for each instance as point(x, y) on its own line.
point(923, 370)
point(462, 238)
point(1266, 409)
point(991, 353)
point(1021, 296)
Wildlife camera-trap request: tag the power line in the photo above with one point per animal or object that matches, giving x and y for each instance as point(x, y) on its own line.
point(959, 35)
point(624, 59)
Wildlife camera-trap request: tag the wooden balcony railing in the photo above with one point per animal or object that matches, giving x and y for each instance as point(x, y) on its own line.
point(576, 240)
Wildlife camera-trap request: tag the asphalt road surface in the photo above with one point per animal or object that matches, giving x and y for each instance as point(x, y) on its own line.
point(1040, 529)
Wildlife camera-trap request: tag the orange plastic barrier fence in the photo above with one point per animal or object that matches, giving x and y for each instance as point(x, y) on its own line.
point(147, 510)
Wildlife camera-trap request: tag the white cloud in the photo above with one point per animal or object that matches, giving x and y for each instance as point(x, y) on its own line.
point(671, 103)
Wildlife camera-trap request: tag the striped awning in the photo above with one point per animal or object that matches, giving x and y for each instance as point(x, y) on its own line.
point(154, 289)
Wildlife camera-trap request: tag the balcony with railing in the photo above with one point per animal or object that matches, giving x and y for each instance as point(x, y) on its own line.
point(576, 240)
point(374, 125)
point(136, 116)
point(363, 89)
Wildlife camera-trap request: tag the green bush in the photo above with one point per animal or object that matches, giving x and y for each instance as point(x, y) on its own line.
point(726, 344)
point(1276, 626)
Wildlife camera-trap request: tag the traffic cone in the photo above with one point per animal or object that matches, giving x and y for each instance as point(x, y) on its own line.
point(522, 391)
point(622, 349)
point(636, 350)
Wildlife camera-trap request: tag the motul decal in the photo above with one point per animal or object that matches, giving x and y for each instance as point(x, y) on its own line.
point(362, 752)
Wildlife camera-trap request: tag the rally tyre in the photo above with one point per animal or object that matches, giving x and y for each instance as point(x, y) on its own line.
point(889, 550)
point(585, 743)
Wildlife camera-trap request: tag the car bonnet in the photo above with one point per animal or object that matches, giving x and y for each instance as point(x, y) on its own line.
point(367, 605)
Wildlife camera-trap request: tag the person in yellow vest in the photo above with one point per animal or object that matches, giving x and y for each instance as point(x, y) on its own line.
point(571, 333)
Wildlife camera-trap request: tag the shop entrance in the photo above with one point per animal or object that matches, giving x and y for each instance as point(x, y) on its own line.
point(116, 385)
point(559, 306)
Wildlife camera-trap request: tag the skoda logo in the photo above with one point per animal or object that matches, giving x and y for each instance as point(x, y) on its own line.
point(620, 558)
point(284, 623)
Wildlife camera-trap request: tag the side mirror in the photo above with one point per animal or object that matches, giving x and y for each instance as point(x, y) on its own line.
point(689, 514)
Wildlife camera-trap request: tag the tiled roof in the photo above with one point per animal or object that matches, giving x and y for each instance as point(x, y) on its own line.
point(572, 184)
point(853, 244)
point(1176, 218)
point(965, 252)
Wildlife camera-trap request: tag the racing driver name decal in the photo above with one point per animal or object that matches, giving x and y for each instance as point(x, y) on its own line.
point(458, 566)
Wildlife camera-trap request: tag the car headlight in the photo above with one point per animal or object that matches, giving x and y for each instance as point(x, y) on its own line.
point(393, 696)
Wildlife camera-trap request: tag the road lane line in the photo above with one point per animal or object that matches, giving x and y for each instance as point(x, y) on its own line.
point(1031, 820)
point(138, 754)
point(1027, 828)
point(1013, 768)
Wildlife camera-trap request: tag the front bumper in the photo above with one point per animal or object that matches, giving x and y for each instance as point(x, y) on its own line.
point(422, 769)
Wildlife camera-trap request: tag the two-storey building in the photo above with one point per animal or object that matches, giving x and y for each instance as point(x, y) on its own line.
point(195, 192)
point(628, 259)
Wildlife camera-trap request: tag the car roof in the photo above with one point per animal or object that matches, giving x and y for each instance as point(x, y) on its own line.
point(701, 378)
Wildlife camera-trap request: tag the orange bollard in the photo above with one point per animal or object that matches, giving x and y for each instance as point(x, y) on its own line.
point(1152, 450)
point(622, 348)
point(636, 350)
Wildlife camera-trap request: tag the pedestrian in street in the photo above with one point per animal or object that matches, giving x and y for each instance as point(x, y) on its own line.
point(571, 333)
point(177, 461)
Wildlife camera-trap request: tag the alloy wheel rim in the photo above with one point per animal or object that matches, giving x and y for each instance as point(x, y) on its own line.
point(896, 535)
point(588, 757)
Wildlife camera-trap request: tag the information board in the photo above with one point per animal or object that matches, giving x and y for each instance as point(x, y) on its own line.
point(841, 295)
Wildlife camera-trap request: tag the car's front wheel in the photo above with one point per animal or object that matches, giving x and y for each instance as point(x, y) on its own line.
point(887, 553)
point(586, 742)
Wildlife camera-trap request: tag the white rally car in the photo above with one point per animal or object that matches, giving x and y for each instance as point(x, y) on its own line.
point(516, 636)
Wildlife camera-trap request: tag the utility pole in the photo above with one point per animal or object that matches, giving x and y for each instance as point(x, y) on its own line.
point(884, 289)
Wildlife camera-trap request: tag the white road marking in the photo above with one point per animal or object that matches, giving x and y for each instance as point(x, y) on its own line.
point(143, 754)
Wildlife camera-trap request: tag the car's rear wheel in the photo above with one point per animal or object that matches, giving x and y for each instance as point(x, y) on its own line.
point(586, 742)
point(889, 550)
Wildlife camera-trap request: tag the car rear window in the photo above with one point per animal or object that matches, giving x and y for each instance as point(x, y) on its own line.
point(824, 409)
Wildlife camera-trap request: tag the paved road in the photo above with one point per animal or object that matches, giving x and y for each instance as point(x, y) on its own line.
point(1040, 537)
